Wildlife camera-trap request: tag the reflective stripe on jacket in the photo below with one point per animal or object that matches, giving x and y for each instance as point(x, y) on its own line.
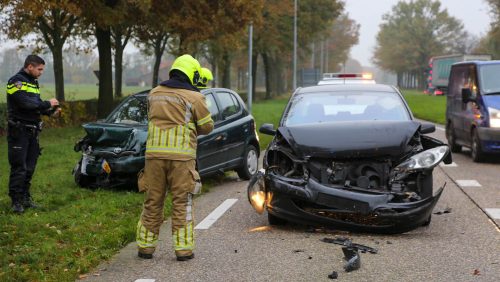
point(176, 117)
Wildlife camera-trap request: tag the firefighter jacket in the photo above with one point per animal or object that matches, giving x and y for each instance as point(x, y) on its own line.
point(176, 117)
point(23, 99)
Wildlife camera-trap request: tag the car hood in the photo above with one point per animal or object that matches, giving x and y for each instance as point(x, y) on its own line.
point(351, 139)
point(113, 136)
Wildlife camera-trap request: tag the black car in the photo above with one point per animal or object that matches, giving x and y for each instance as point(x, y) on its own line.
point(349, 157)
point(113, 150)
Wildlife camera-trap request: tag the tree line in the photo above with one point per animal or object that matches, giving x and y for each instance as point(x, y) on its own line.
point(213, 30)
point(414, 31)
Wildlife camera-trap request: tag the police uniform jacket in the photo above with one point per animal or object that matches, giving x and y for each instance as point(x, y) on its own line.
point(23, 99)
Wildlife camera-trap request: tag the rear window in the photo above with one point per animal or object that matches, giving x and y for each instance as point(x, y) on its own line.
point(133, 111)
point(346, 106)
point(488, 77)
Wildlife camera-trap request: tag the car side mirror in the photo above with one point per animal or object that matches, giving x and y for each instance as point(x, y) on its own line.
point(268, 129)
point(466, 95)
point(427, 128)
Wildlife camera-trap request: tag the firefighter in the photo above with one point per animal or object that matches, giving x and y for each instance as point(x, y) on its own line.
point(24, 108)
point(177, 115)
point(205, 77)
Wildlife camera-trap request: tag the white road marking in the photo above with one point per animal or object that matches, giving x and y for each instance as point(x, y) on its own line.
point(494, 213)
point(216, 214)
point(468, 183)
point(453, 164)
point(440, 128)
point(145, 280)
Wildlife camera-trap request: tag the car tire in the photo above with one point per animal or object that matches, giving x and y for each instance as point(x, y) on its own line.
point(81, 180)
point(452, 139)
point(477, 153)
point(274, 220)
point(250, 164)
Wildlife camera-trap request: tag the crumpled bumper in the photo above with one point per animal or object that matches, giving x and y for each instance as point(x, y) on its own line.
point(312, 203)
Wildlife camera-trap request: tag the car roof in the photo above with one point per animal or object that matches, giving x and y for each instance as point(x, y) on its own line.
point(346, 87)
point(346, 81)
point(202, 91)
point(479, 63)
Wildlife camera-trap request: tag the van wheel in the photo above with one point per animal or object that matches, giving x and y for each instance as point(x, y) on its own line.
point(250, 163)
point(476, 149)
point(450, 135)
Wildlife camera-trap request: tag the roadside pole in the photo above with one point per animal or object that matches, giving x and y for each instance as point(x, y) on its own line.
point(249, 93)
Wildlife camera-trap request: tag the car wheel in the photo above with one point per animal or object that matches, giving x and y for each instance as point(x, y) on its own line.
point(450, 135)
point(250, 163)
point(274, 220)
point(81, 180)
point(476, 149)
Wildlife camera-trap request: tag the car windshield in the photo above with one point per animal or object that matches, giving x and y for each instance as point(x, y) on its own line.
point(132, 111)
point(488, 75)
point(346, 106)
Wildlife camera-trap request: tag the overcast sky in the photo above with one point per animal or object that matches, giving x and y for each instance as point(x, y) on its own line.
point(368, 13)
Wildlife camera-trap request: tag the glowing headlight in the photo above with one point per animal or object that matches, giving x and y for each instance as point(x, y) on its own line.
point(424, 160)
point(256, 192)
point(494, 117)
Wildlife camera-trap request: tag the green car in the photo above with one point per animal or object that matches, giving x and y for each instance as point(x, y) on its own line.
point(113, 150)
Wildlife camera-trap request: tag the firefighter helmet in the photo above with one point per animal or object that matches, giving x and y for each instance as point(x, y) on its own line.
point(189, 66)
point(205, 77)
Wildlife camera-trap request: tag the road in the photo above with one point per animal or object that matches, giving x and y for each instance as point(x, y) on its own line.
point(462, 245)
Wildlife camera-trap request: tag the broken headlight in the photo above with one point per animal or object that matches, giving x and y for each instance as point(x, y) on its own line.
point(423, 160)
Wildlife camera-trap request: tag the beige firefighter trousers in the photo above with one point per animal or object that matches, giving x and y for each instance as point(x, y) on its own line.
point(159, 176)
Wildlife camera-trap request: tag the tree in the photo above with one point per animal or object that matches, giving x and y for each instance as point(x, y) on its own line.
point(490, 43)
point(102, 15)
point(412, 33)
point(50, 21)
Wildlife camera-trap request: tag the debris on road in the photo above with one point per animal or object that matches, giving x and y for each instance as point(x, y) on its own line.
point(333, 275)
point(476, 272)
point(348, 243)
point(446, 210)
point(353, 260)
point(298, 251)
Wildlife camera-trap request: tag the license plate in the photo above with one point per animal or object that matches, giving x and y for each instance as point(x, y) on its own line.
point(106, 167)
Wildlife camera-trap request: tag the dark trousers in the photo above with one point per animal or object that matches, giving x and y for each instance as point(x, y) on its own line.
point(23, 150)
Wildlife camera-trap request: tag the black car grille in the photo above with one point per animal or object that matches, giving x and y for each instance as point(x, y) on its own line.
point(342, 203)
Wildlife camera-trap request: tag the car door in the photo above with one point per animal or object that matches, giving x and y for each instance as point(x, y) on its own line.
point(470, 108)
point(232, 127)
point(455, 110)
point(209, 146)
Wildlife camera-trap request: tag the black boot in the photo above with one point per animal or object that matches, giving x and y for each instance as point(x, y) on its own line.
point(28, 203)
point(17, 207)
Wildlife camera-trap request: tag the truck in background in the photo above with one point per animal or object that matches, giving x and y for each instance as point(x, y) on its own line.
point(439, 70)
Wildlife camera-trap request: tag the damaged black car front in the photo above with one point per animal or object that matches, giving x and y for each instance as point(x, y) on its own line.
point(349, 157)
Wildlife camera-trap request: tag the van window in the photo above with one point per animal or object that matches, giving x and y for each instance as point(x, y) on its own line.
point(488, 77)
point(459, 78)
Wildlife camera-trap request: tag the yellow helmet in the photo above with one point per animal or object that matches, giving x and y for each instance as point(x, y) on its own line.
point(205, 77)
point(189, 66)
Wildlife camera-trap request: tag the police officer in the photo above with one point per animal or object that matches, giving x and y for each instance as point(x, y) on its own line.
point(205, 77)
point(177, 115)
point(24, 124)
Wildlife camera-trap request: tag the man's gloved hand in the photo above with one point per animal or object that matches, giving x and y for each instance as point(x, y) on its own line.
point(57, 112)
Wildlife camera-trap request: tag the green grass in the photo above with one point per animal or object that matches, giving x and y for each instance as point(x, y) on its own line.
point(431, 108)
point(74, 230)
point(268, 112)
point(74, 92)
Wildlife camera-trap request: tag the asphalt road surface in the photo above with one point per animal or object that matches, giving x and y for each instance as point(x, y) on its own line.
point(238, 245)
